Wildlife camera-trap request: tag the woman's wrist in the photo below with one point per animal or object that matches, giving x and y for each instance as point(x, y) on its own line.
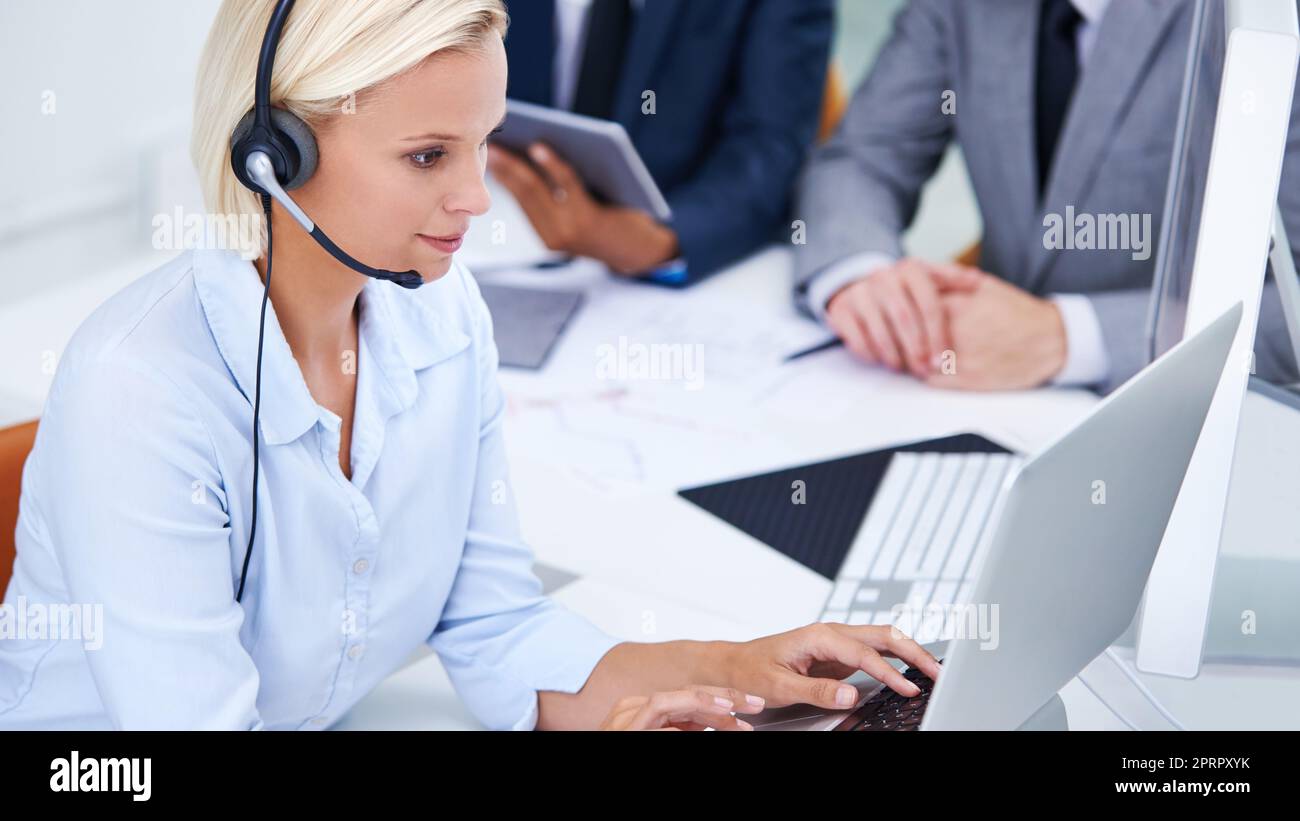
point(716, 665)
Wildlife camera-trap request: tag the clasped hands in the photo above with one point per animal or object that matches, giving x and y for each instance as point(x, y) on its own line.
point(951, 326)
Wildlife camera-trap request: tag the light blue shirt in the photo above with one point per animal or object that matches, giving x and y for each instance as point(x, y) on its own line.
point(137, 499)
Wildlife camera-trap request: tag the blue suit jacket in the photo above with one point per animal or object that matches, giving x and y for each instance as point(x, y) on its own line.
point(738, 90)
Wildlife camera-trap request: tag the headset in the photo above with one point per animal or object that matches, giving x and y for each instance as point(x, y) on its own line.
point(272, 150)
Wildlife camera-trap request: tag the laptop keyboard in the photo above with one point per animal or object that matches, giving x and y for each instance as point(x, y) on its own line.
point(888, 711)
point(925, 534)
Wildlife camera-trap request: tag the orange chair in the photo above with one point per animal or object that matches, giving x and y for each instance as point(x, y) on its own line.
point(835, 101)
point(15, 443)
point(971, 256)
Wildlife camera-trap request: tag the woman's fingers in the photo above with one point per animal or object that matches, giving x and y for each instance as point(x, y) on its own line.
point(741, 702)
point(890, 641)
point(691, 708)
point(691, 705)
point(792, 688)
point(829, 644)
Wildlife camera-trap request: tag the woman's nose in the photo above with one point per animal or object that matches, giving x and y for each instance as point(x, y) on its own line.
point(471, 195)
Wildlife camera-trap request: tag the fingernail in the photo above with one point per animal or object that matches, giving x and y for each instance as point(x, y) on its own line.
point(537, 152)
point(744, 725)
point(754, 701)
point(723, 702)
point(845, 696)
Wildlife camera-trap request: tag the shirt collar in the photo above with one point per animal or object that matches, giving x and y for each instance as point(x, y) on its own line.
point(1090, 10)
point(401, 331)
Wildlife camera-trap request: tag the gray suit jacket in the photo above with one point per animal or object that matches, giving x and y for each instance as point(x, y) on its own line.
point(860, 191)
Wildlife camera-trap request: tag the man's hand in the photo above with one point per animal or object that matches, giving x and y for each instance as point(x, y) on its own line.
point(569, 220)
point(894, 316)
point(806, 666)
point(1003, 338)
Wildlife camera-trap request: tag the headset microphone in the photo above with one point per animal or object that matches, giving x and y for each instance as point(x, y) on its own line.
point(271, 150)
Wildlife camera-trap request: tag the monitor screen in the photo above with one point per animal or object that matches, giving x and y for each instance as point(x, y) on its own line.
point(1189, 171)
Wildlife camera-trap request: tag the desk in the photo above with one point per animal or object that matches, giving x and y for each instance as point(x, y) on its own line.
point(597, 462)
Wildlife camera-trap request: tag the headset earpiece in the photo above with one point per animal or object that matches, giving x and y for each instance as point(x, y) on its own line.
point(291, 146)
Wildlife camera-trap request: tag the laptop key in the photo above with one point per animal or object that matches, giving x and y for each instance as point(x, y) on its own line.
point(891, 711)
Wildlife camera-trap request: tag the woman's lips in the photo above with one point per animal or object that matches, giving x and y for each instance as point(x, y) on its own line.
point(447, 245)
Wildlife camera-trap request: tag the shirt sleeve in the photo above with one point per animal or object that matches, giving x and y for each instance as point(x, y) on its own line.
point(831, 279)
point(861, 189)
point(500, 639)
point(134, 504)
point(1086, 360)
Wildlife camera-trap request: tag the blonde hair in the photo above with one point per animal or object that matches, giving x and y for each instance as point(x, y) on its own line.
point(329, 51)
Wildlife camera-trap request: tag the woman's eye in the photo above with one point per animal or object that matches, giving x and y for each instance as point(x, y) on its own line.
point(427, 159)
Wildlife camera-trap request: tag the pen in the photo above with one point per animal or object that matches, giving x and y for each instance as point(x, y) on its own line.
point(833, 342)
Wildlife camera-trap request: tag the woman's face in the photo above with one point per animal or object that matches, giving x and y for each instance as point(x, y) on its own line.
point(400, 178)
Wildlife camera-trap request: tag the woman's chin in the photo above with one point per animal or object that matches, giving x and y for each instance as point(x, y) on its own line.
point(436, 268)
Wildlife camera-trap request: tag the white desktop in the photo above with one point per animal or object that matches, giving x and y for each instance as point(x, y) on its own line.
point(1221, 207)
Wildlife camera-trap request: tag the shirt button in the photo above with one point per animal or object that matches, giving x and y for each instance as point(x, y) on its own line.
point(361, 566)
point(355, 651)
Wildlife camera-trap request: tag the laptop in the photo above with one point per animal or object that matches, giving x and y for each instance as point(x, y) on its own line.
point(1073, 532)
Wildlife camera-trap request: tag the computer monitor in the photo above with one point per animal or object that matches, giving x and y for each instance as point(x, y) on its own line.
point(1214, 248)
point(1193, 142)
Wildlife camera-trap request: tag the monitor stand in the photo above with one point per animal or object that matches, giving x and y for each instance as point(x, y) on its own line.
point(1255, 601)
point(1255, 609)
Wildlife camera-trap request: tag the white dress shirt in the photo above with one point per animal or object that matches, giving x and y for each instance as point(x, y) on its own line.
point(136, 498)
point(1086, 362)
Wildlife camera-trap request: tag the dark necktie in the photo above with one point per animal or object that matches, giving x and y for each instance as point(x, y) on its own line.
point(1058, 72)
point(608, 24)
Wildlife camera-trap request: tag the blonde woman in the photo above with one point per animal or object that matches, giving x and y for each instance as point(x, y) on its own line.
point(384, 517)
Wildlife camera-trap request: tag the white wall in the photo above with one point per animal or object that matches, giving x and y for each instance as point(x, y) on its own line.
point(81, 184)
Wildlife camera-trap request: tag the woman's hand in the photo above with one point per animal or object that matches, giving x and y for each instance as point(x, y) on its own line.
point(692, 708)
point(806, 666)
